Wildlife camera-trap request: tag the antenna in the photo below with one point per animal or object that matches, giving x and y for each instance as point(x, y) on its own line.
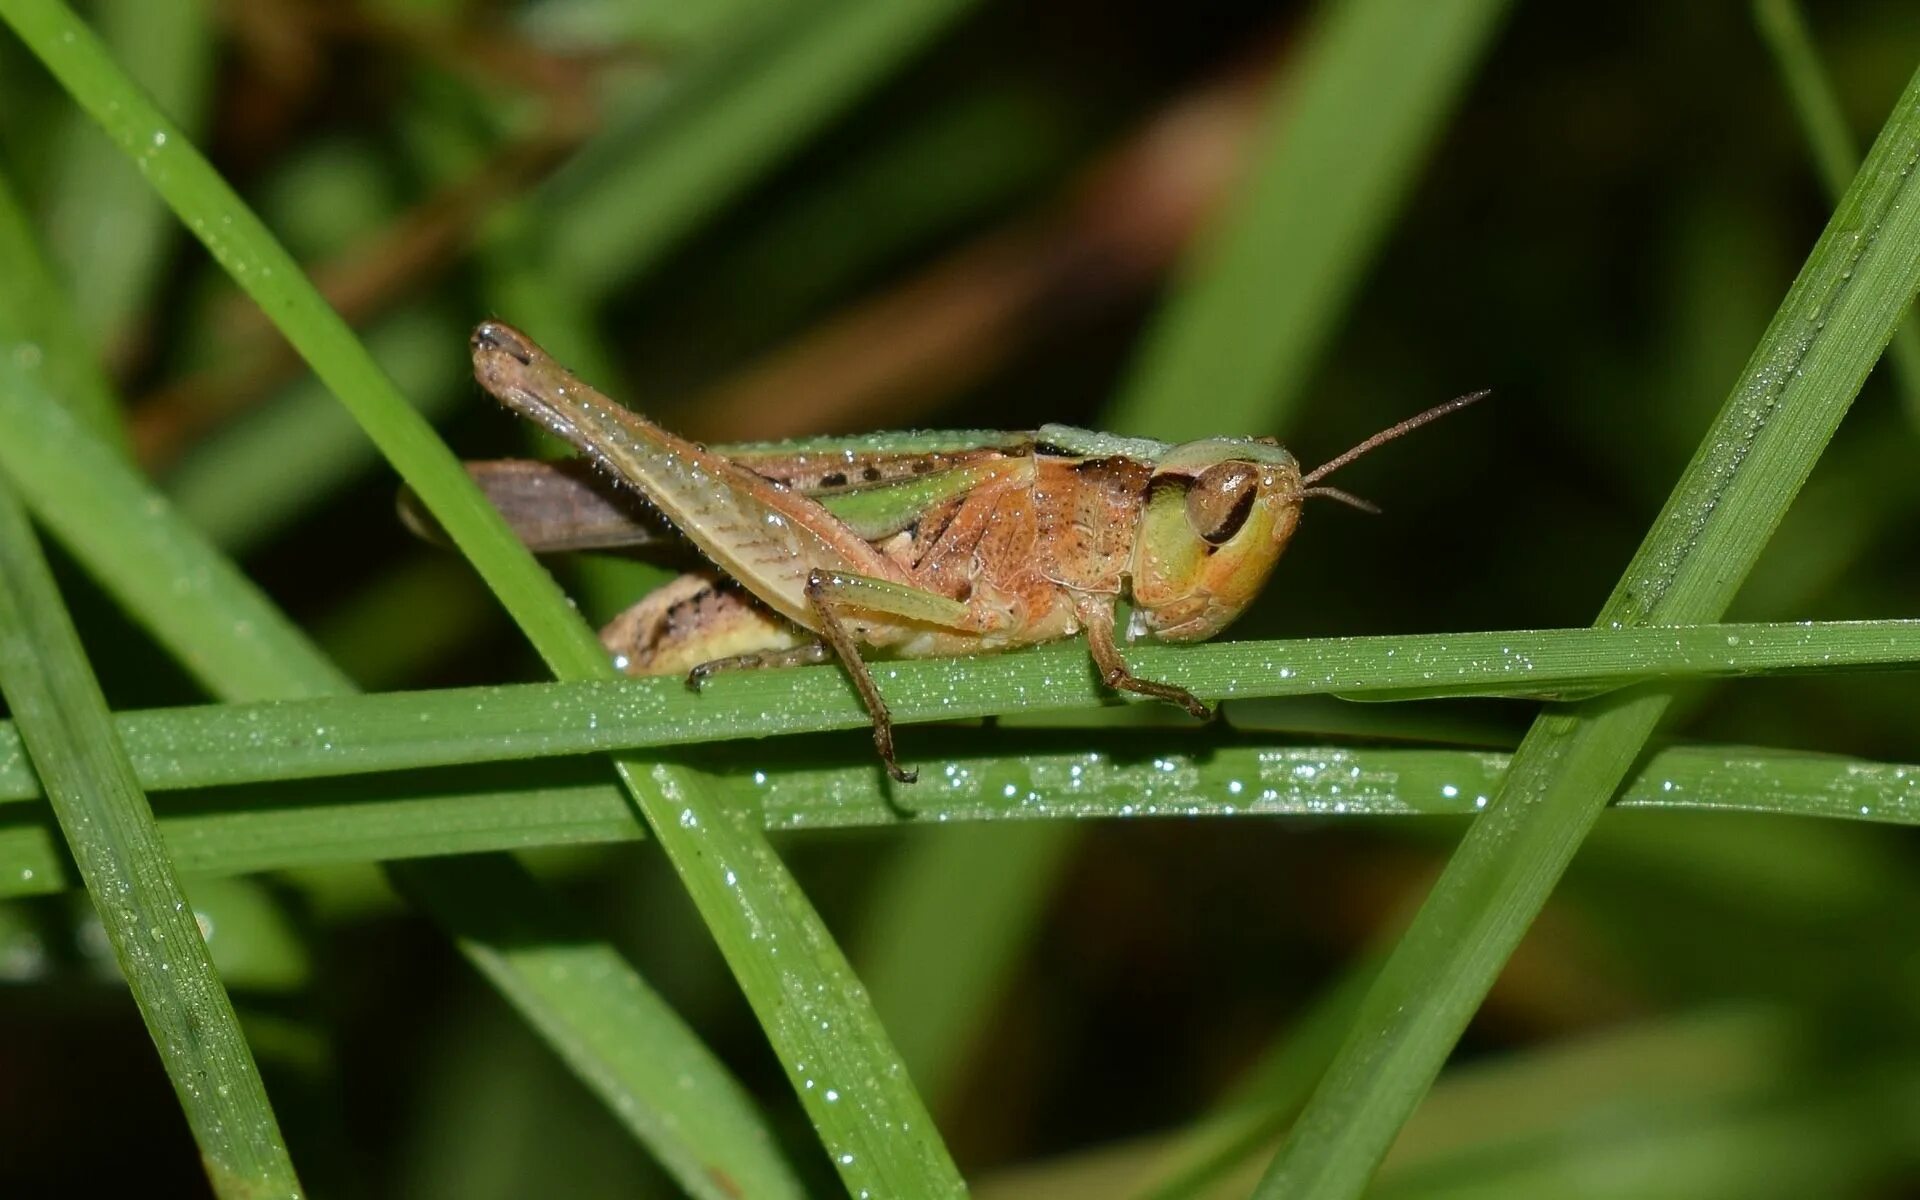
point(1346, 498)
point(1380, 439)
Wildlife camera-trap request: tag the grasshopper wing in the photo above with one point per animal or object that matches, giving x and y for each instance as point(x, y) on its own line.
point(569, 505)
point(557, 507)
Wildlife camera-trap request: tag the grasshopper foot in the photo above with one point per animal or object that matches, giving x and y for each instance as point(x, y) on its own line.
point(1122, 680)
point(883, 742)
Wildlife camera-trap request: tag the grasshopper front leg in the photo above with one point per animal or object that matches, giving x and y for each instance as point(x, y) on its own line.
point(1096, 617)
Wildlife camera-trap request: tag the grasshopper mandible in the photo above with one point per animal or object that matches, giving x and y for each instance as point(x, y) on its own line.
point(925, 546)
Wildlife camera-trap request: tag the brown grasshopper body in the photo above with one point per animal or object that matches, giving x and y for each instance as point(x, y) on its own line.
point(975, 543)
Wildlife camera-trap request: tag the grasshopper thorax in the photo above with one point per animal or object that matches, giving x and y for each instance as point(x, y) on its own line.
point(1217, 515)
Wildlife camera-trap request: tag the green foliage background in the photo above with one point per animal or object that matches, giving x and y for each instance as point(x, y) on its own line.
point(453, 921)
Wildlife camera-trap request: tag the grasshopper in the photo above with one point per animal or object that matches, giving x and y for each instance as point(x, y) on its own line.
point(912, 546)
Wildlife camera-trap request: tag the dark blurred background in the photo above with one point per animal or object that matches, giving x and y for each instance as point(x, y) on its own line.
point(978, 237)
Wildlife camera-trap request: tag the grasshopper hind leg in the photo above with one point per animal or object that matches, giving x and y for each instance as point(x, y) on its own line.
point(702, 624)
point(827, 591)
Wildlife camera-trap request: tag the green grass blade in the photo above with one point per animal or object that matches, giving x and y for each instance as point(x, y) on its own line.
point(268, 274)
point(1346, 122)
point(68, 732)
point(240, 645)
point(1706, 1105)
point(1835, 155)
point(1828, 333)
point(1248, 1121)
point(334, 735)
point(31, 304)
point(613, 211)
point(373, 635)
point(950, 916)
point(471, 810)
point(106, 232)
point(246, 484)
point(213, 619)
point(848, 1076)
point(857, 1092)
point(630, 1056)
point(1344, 137)
point(166, 575)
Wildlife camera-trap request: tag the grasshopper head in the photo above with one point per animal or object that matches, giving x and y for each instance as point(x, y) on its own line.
point(1217, 516)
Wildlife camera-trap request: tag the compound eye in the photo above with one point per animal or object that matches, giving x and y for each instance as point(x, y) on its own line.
point(1220, 500)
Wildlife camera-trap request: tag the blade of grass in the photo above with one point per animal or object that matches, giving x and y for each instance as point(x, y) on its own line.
point(1282, 271)
point(1249, 1120)
point(69, 735)
point(1835, 155)
point(950, 915)
point(247, 483)
point(1710, 1103)
point(333, 735)
point(514, 944)
point(800, 987)
point(31, 303)
point(107, 234)
point(211, 616)
point(368, 818)
point(671, 27)
point(375, 638)
point(128, 537)
point(167, 576)
point(697, 1121)
point(718, 124)
point(1828, 333)
point(714, 1135)
point(244, 247)
point(704, 1130)
point(1345, 133)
